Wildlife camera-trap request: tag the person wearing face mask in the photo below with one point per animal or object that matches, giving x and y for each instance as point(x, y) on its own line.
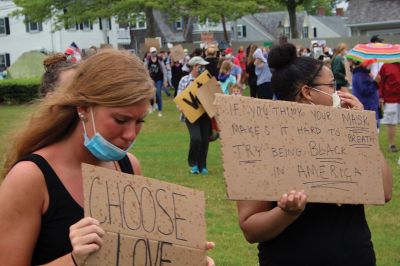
point(291, 231)
point(199, 130)
point(263, 74)
point(94, 119)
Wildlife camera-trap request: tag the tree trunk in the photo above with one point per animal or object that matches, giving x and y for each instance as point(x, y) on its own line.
point(223, 21)
point(151, 32)
point(291, 7)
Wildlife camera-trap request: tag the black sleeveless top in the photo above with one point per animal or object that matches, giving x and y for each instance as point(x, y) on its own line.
point(324, 235)
point(63, 211)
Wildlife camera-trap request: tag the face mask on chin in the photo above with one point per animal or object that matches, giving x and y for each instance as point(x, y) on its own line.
point(100, 148)
point(335, 98)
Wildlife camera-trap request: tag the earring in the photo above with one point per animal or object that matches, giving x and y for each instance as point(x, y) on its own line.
point(81, 116)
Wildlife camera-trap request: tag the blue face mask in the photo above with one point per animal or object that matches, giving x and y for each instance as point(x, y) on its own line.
point(100, 148)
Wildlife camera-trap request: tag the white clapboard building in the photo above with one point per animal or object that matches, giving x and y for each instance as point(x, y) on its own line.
point(17, 37)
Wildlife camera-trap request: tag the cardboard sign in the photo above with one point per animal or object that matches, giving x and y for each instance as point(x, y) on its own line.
point(207, 37)
point(188, 101)
point(147, 222)
point(272, 147)
point(177, 53)
point(152, 42)
point(206, 95)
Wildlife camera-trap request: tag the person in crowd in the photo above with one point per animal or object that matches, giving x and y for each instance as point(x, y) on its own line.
point(338, 67)
point(389, 96)
point(158, 72)
point(251, 70)
point(93, 119)
point(212, 59)
point(364, 87)
point(241, 59)
point(236, 90)
point(57, 70)
point(225, 78)
point(235, 71)
point(292, 231)
point(177, 74)
point(166, 57)
point(263, 75)
point(199, 130)
point(185, 62)
point(377, 65)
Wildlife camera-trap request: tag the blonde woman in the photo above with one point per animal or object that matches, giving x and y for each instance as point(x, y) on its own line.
point(338, 67)
point(225, 78)
point(94, 118)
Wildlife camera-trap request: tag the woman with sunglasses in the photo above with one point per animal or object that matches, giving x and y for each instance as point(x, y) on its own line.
point(292, 231)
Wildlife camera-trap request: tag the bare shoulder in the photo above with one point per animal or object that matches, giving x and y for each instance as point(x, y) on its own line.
point(24, 181)
point(135, 163)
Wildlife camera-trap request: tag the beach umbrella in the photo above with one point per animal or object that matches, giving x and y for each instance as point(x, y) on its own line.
point(382, 52)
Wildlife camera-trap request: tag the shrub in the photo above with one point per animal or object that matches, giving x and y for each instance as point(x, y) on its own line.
point(16, 91)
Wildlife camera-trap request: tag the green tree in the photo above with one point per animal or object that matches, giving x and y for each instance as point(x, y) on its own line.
point(65, 11)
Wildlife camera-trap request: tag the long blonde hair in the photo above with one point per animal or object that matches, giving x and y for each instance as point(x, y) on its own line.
point(339, 49)
point(109, 78)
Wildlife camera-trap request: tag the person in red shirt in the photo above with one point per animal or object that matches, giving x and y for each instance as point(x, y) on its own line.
point(241, 58)
point(389, 94)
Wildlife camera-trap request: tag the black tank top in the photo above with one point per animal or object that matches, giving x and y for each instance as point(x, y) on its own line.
point(324, 235)
point(63, 211)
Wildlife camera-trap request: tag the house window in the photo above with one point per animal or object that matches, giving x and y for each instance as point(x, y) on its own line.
point(4, 26)
point(139, 22)
point(305, 32)
point(241, 31)
point(178, 24)
point(286, 31)
point(86, 25)
point(4, 60)
point(33, 27)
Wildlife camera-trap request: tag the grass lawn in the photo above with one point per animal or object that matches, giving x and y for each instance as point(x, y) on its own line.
point(162, 149)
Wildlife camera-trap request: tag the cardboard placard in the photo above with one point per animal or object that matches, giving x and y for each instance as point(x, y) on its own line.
point(188, 101)
point(152, 42)
point(206, 95)
point(177, 53)
point(146, 220)
point(271, 147)
point(207, 37)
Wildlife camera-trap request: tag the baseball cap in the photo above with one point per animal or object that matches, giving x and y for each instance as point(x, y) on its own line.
point(197, 60)
point(376, 38)
point(153, 49)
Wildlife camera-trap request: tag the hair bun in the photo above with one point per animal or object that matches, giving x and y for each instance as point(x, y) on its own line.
point(54, 59)
point(282, 55)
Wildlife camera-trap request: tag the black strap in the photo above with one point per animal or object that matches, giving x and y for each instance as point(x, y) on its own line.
point(126, 166)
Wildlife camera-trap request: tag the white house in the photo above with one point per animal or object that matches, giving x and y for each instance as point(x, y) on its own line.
point(17, 37)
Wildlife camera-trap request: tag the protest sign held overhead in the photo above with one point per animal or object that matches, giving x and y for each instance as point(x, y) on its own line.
point(272, 147)
point(147, 222)
point(188, 101)
point(177, 53)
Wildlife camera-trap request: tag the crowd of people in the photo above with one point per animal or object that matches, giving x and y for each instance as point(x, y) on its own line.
point(87, 115)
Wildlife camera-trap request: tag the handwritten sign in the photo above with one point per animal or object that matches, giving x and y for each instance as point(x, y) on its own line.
point(177, 53)
point(207, 37)
point(147, 222)
point(272, 147)
point(188, 101)
point(206, 95)
point(152, 42)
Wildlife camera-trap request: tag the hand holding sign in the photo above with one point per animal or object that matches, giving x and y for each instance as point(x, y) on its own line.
point(272, 147)
point(145, 220)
